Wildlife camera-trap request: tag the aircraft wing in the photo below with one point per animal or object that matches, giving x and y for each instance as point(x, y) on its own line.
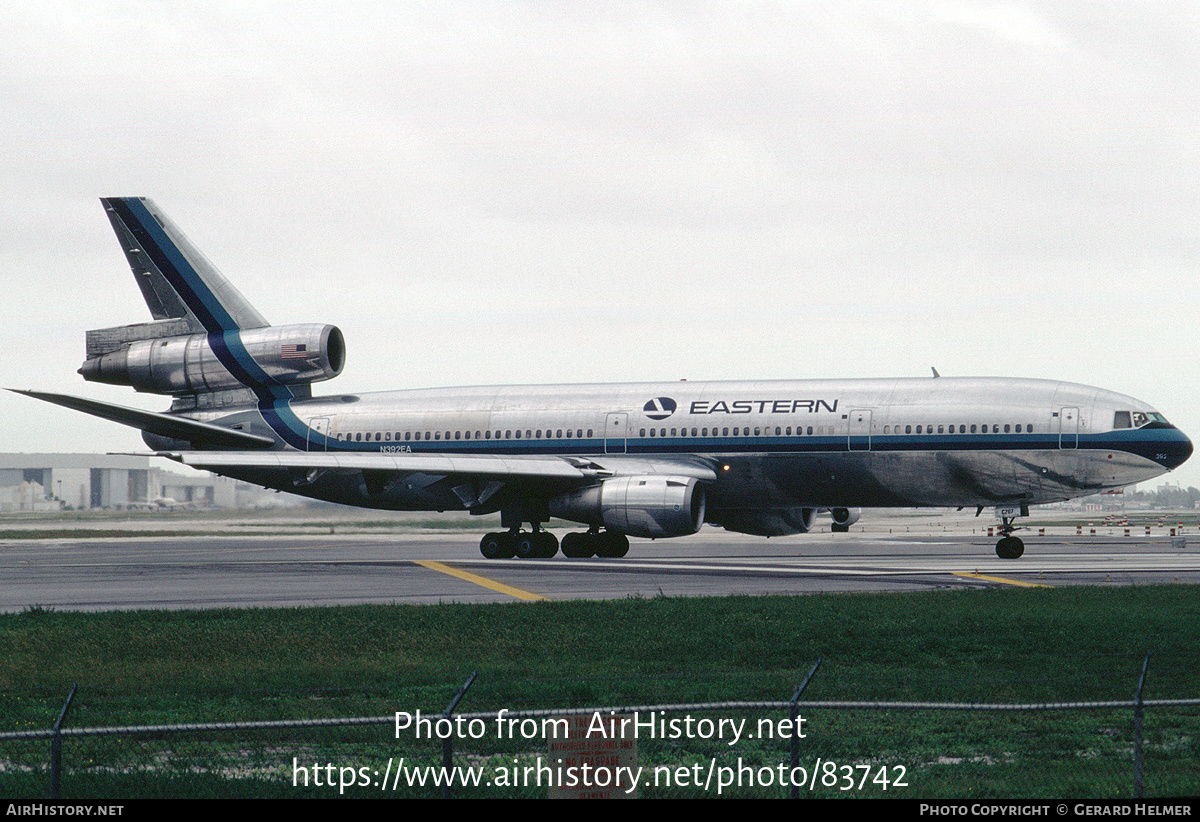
point(492, 466)
point(484, 465)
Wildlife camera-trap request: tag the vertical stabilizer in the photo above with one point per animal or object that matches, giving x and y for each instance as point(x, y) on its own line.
point(176, 280)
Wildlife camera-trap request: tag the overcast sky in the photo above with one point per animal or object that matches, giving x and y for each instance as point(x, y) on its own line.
point(482, 193)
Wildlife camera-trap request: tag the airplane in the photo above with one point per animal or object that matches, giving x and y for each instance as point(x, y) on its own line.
point(647, 460)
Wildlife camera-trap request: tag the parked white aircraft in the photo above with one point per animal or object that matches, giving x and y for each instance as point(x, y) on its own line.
point(634, 459)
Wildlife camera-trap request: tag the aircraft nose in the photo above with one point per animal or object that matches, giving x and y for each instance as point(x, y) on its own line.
point(1175, 452)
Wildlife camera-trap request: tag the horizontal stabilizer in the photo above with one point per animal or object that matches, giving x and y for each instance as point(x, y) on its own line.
point(164, 425)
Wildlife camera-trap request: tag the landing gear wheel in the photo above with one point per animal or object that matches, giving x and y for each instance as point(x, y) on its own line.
point(528, 546)
point(548, 545)
point(612, 545)
point(497, 546)
point(1010, 548)
point(579, 545)
point(536, 545)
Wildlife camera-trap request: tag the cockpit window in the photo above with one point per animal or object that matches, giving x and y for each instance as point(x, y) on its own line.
point(1140, 419)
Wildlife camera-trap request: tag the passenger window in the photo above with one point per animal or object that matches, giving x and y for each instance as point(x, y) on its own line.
point(1006, 429)
point(972, 429)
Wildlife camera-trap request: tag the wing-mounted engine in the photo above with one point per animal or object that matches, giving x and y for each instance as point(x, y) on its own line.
point(156, 358)
point(651, 505)
point(766, 522)
point(843, 518)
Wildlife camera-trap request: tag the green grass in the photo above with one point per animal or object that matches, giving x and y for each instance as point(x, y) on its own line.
point(994, 645)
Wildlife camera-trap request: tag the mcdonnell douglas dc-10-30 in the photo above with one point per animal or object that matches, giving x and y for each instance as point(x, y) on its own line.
point(645, 460)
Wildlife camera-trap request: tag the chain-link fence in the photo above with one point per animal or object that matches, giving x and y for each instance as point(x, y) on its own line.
point(1114, 749)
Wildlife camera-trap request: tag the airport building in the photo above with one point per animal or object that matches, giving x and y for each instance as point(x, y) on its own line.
point(57, 482)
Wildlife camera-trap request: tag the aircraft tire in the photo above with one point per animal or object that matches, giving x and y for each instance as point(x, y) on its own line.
point(1010, 548)
point(612, 545)
point(576, 545)
point(547, 544)
point(528, 546)
point(497, 546)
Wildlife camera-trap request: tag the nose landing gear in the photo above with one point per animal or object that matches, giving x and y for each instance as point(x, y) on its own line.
point(1009, 547)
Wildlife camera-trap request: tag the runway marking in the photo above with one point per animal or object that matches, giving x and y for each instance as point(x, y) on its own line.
point(1002, 580)
point(433, 565)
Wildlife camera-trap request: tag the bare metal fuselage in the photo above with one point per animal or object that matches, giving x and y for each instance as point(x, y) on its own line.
point(868, 443)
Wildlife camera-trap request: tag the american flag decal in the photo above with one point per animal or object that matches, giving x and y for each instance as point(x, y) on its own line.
point(292, 351)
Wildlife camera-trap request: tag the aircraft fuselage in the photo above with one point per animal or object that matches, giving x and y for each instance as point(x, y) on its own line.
point(812, 443)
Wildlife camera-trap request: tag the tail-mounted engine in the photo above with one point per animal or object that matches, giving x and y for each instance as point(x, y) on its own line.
point(641, 506)
point(162, 358)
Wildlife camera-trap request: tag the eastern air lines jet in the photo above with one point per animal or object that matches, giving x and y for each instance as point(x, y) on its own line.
point(631, 459)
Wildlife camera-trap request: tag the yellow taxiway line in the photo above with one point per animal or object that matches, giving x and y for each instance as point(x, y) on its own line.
point(478, 580)
point(1002, 580)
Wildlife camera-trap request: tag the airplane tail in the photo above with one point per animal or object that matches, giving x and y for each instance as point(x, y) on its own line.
point(206, 338)
point(177, 281)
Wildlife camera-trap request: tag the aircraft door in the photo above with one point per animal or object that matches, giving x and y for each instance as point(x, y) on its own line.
point(614, 432)
point(318, 430)
point(1068, 428)
point(859, 435)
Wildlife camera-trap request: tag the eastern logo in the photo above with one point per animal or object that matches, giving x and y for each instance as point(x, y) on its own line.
point(659, 408)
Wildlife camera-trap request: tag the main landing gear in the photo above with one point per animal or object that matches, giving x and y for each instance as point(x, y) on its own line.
point(524, 544)
point(541, 544)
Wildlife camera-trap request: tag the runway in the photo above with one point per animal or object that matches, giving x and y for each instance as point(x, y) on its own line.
point(130, 573)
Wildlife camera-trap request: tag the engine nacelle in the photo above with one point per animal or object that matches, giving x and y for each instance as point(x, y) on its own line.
point(843, 518)
point(282, 355)
point(642, 506)
point(769, 522)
